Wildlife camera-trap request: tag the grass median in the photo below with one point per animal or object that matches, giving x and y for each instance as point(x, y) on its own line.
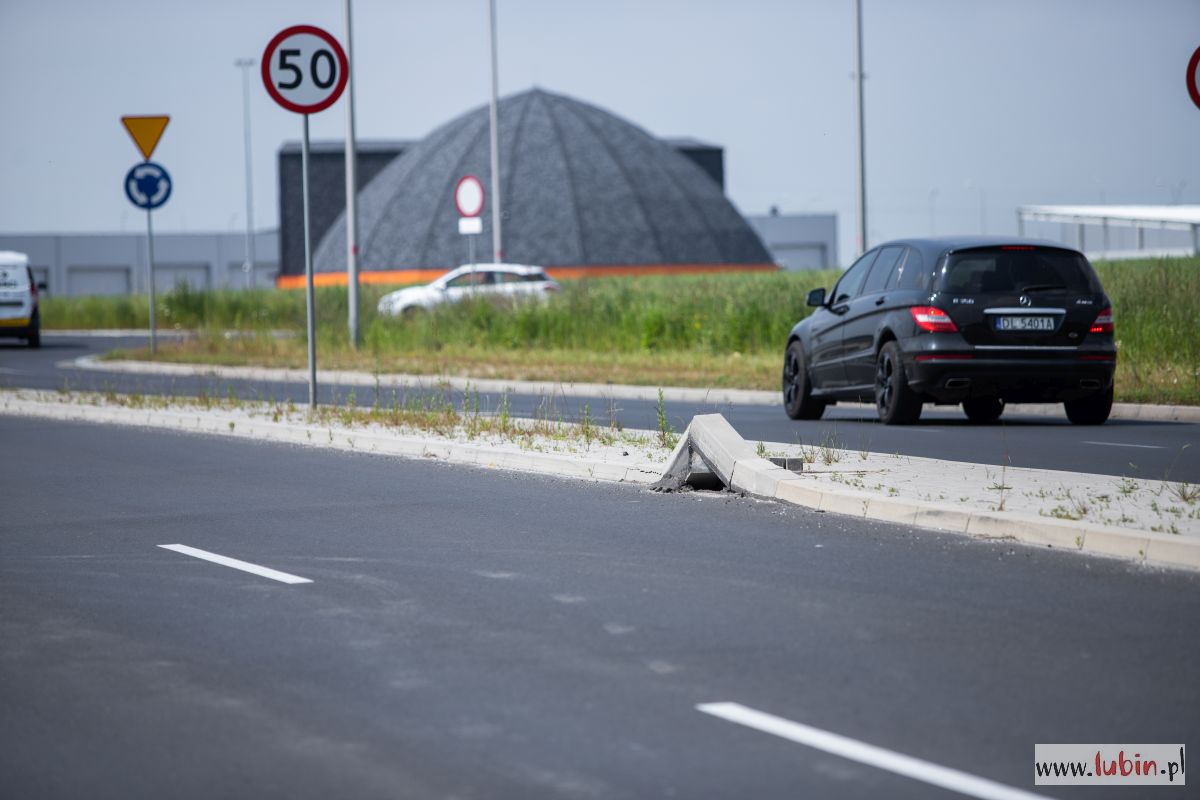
point(699, 330)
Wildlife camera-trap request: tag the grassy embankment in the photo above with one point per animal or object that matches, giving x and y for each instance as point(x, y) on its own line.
point(710, 330)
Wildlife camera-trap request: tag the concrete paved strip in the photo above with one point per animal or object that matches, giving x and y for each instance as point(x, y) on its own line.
point(918, 769)
point(674, 394)
point(594, 461)
point(1094, 514)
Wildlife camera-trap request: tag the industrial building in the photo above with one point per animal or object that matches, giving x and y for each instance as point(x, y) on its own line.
point(585, 192)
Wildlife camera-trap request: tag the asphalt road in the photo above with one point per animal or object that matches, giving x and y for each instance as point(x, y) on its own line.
point(1130, 448)
point(471, 633)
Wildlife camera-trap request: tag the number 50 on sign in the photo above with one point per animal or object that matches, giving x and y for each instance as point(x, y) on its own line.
point(305, 69)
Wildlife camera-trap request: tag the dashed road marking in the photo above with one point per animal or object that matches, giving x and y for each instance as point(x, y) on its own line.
point(1123, 444)
point(233, 563)
point(915, 768)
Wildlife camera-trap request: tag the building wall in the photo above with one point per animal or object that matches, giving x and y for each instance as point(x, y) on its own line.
point(327, 185)
point(799, 241)
point(74, 264)
point(327, 190)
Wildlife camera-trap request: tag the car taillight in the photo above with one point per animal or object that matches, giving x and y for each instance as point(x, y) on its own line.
point(933, 320)
point(1103, 323)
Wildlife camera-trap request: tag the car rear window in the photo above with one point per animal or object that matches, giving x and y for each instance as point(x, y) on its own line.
point(1017, 269)
point(534, 277)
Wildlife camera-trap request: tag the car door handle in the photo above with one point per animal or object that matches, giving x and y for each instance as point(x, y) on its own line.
point(880, 301)
point(842, 309)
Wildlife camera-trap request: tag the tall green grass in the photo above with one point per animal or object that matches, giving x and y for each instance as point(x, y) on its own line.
point(1156, 309)
point(736, 312)
point(1156, 304)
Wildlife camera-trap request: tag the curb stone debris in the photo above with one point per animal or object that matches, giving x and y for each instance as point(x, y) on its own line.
point(710, 447)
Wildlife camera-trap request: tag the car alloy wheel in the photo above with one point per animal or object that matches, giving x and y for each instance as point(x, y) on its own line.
point(798, 401)
point(896, 403)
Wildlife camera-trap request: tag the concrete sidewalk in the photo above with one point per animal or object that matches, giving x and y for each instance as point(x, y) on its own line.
point(1142, 520)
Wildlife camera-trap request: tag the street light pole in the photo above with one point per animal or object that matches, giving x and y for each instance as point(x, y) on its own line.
point(497, 241)
point(248, 266)
point(860, 128)
point(351, 195)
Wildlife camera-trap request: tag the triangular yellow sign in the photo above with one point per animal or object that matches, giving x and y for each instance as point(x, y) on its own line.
point(146, 131)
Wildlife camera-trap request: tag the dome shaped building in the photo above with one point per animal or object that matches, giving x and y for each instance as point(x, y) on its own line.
point(583, 190)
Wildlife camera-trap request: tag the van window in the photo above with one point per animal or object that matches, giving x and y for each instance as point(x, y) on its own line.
point(1017, 269)
point(881, 273)
point(853, 278)
point(14, 277)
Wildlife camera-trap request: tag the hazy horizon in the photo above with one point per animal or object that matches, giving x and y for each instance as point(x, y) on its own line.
point(972, 108)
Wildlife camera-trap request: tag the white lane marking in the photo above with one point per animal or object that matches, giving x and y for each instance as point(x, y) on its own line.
point(244, 566)
point(915, 768)
point(1122, 444)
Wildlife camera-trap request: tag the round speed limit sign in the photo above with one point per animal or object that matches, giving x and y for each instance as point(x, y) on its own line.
point(305, 69)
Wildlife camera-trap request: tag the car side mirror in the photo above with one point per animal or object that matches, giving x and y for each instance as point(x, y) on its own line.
point(43, 286)
point(816, 297)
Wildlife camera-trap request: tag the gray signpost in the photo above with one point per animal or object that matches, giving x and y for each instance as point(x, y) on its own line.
point(305, 70)
point(148, 186)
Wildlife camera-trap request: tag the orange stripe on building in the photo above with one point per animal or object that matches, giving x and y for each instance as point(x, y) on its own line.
point(406, 276)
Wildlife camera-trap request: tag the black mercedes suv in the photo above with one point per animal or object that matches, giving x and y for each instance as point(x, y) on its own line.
point(971, 320)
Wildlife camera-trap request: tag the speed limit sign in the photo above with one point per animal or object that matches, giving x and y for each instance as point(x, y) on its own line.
point(304, 69)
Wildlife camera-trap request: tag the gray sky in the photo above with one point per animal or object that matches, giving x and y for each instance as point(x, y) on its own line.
point(968, 102)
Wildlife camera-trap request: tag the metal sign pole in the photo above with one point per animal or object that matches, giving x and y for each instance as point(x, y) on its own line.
point(351, 190)
point(150, 270)
point(308, 275)
point(860, 129)
point(249, 267)
point(497, 216)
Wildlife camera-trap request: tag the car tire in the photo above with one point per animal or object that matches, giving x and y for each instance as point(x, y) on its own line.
point(798, 401)
point(895, 401)
point(34, 339)
point(1091, 410)
point(982, 410)
point(412, 313)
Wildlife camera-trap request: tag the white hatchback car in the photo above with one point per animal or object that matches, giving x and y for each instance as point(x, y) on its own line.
point(471, 280)
point(19, 315)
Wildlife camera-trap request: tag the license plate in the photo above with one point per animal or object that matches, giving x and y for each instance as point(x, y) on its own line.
point(1038, 323)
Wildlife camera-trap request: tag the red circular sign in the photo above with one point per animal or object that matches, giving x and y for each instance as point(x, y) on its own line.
point(305, 69)
point(468, 196)
point(1191, 77)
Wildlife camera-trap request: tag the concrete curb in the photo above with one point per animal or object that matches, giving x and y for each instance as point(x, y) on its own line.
point(488, 385)
point(361, 440)
point(675, 394)
point(719, 448)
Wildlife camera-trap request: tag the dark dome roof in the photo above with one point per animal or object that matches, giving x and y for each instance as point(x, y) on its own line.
point(581, 186)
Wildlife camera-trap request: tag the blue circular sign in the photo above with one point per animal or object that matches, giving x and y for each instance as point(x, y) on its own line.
point(147, 185)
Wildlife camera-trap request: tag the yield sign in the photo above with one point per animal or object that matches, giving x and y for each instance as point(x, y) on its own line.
point(146, 131)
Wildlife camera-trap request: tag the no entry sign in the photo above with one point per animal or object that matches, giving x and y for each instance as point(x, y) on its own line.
point(304, 69)
point(468, 196)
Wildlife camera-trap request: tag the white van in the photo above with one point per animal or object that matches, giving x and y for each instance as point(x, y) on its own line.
point(19, 299)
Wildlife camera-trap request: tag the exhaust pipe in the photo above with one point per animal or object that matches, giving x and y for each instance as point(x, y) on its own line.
point(958, 383)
